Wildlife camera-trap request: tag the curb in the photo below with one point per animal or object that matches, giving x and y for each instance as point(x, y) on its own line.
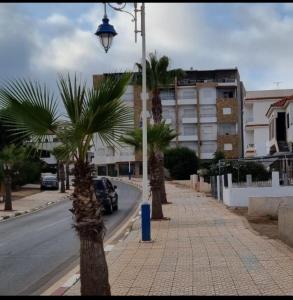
point(32, 210)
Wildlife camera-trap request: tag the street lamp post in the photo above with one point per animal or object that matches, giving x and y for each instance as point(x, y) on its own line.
point(106, 33)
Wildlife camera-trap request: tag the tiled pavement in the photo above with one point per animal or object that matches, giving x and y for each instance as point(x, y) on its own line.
point(203, 250)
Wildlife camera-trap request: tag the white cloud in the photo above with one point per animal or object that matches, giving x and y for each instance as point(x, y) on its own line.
point(258, 42)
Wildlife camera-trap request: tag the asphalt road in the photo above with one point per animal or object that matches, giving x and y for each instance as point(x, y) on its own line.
point(38, 249)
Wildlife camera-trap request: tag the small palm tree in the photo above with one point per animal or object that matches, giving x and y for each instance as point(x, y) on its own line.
point(32, 111)
point(10, 157)
point(159, 138)
point(158, 76)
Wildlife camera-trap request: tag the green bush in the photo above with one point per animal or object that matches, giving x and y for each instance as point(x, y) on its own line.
point(240, 169)
point(181, 163)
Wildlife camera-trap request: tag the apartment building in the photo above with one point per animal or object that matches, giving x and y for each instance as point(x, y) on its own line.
point(205, 110)
point(256, 124)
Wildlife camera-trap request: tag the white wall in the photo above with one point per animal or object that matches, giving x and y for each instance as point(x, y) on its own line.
point(290, 129)
point(258, 110)
point(261, 138)
point(239, 196)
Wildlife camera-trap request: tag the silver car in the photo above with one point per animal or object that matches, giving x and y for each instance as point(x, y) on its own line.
point(49, 182)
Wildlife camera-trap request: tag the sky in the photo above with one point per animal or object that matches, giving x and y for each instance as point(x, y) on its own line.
point(38, 41)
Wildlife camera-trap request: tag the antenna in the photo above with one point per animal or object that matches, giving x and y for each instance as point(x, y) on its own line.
point(277, 83)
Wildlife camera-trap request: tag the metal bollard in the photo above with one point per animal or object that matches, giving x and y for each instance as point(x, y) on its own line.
point(145, 222)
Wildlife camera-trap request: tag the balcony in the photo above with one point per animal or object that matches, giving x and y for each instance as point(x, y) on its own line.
point(220, 82)
point(208, 118)
point(189, 120)
point(168, 102)
point(206, 155)
point(190, 101)
point(186, 138)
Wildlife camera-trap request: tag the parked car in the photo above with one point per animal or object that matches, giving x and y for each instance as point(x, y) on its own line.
point(106, 193)
point(49, 182)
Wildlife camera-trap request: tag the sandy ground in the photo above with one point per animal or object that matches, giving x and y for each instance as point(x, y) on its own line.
point(264, 225)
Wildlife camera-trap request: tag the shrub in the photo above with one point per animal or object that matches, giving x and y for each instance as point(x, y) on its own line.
point(181, 162)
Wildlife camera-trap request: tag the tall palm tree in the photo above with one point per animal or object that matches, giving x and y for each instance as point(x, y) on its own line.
point(158, 76)
point(10, 157)
point(89, 112)
point(159, 138)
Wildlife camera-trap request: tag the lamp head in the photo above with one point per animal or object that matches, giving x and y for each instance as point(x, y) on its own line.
point(106, 32)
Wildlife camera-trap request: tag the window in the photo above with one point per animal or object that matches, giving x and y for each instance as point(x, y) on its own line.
point(227, 129)
point(187, 93)
point(189, 129)
point(167, 94)
point(288, 116)
point(227, 111)
point(208, 147)
point(189, 113)
point(228, 94)
point(208, 111)
point(227, 147)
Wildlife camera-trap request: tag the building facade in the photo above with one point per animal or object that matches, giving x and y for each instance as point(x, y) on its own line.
point(205, 110)
point(280, 116)
point(256, 124)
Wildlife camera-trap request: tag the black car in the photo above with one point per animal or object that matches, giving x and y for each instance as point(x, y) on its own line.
point(106, 193)
point(49, 182)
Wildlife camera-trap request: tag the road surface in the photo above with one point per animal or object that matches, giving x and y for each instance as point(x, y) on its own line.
point(38, 249)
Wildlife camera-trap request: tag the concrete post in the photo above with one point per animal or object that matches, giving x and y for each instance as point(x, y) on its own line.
point(275, 179)
point(218, 187)
point(201, 184)
point(229, 181)
point(248, 180)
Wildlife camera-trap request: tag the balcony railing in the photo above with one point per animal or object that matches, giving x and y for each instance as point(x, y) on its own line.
point(195, 81)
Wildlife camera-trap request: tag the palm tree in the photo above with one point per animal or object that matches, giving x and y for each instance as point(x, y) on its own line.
point(89, 112)
point(67, 186)
point(158, 76)
point(159, 138)
point(10, 157)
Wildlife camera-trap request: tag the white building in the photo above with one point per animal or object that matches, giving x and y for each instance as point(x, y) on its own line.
point(280, 116)
point(256, 124)
point(204, 109)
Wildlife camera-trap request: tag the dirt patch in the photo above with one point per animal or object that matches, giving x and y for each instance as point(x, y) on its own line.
point(24, 192)
point(266, 226)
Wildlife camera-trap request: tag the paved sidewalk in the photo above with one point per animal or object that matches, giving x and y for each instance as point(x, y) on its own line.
point(203, 250)
point(32, 203)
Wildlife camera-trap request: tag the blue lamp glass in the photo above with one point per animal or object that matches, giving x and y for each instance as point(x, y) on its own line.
point(106, 32)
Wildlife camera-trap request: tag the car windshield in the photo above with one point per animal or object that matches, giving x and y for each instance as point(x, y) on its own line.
point(50, 178)
point(99, 185)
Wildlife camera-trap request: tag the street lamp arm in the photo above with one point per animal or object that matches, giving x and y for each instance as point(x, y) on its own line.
point(121, 9)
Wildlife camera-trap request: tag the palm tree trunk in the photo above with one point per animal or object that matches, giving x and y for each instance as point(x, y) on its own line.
point(156, 106)
point(163, 188)
point(67, 176)
point(157, 116)
point(62, 176)
point(7, 198)
point(90, 227)
point(156, 182)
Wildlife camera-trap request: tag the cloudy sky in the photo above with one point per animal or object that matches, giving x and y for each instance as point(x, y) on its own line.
point(40, 40)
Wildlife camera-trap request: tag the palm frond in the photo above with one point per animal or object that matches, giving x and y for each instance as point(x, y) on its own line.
point(28, 108)
point(106, 114)
point(73, 96)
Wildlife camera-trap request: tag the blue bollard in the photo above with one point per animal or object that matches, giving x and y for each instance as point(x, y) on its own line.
point(146, 222)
